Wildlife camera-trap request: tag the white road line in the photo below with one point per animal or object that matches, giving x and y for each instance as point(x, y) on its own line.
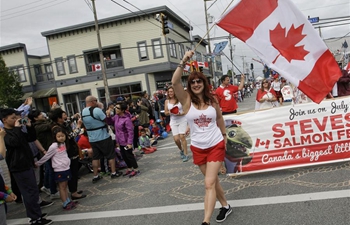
point(196, 206)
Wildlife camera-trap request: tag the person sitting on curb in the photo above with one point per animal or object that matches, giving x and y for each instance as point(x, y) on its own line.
point(147, 145)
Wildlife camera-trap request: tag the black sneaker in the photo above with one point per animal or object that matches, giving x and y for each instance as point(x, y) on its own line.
point(41, 221)
point(117, 174)
point(223, 214)
point(205, 223)
point(44, 204)
point(95, 179)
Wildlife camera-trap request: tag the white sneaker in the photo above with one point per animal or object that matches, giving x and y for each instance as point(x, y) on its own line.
point(46, 190)
point(55, 196)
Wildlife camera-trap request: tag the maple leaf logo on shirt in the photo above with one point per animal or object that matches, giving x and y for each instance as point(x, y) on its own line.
point(203, 121)
point(286, 44)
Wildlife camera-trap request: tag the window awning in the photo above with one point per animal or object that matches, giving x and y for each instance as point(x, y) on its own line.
point(26, 95)
point(44, 93)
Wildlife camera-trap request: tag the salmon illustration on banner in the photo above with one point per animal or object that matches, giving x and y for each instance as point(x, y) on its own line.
point(286, 41)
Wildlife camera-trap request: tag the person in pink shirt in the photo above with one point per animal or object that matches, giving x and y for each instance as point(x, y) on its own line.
point(60, 163)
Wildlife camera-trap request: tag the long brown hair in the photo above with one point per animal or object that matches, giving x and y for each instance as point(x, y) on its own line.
point(207, 96)
point(176, 100)
point(262, 85)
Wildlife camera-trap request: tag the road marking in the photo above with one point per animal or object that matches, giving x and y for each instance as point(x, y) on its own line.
point(196, 206)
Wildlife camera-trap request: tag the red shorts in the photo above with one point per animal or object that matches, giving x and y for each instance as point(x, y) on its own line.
point(212, 154)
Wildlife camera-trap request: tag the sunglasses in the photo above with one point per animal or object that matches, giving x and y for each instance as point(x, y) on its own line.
point(198, 81)
point(117, 107)
point(265, 82)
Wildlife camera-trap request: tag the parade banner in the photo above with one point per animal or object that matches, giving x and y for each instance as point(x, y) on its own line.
point(288, 136)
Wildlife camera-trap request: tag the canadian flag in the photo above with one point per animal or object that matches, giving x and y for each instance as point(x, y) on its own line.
point(96, 67)
point(187, 67)
point(203, 64)
point(283, 38)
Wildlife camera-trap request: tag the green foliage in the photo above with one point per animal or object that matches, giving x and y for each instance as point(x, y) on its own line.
point(10, 87)
point(229, 73)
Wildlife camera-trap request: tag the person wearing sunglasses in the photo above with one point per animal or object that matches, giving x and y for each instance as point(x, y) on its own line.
point(124, 136)
point(265, 96)
point(208, 135)
point(225, 94)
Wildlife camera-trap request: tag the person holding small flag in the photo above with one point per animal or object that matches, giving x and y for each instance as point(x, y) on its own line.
point(208, 135)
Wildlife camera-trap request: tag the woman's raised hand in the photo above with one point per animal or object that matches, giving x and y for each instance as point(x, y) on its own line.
point(187, 55)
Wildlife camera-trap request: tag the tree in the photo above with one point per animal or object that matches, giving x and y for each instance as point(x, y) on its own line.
point(10, 87)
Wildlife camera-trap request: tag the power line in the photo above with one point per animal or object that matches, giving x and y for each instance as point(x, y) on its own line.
point(33, 11)
point(332, 25)
point(89, 5)
point(20, 6)
point(345, 3)
point(186, 16)
point(29, 8)
point(157, 25)
point(337, 38)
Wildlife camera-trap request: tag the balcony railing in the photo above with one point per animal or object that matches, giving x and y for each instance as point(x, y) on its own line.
point(44, 77)
point(112, 63)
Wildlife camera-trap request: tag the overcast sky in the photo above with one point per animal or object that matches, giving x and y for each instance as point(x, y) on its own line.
point(23, 21)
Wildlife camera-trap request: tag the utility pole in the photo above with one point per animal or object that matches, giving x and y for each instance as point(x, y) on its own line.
point(243, 66)
point(232, 49)
point(103, 66)
point(209, 47)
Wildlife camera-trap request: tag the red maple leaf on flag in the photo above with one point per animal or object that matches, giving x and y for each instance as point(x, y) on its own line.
point(286, 45)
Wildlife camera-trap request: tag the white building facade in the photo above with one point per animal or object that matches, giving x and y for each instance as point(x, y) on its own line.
point(137, 58)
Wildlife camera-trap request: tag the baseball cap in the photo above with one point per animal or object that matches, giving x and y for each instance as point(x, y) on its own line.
point(6, 112)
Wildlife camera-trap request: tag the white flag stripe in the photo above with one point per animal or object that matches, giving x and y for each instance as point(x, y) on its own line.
point(264, 49)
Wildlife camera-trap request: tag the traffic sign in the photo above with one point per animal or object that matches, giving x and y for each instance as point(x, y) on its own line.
point(314, 19)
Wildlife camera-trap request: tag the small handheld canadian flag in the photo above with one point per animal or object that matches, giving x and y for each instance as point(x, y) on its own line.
point(96, 67)
point(175, 110)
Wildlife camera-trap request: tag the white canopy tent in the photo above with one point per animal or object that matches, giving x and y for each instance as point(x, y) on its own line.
point(259, 78)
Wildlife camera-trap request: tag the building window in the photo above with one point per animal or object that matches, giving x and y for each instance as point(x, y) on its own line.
point(133, 90)
point(60, 66)
point(19, 72)
point(49, 71)
point(199, 57)
point(37, 70)
point(72, 64)
point(172, 48)
point(143, 53)
point(181, 50)
point(113, 58)
point(157, 48)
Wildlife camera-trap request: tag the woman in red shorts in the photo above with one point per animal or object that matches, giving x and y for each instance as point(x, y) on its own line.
point(208, 137)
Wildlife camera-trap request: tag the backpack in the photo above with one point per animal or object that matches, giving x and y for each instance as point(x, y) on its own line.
point(91, 109)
